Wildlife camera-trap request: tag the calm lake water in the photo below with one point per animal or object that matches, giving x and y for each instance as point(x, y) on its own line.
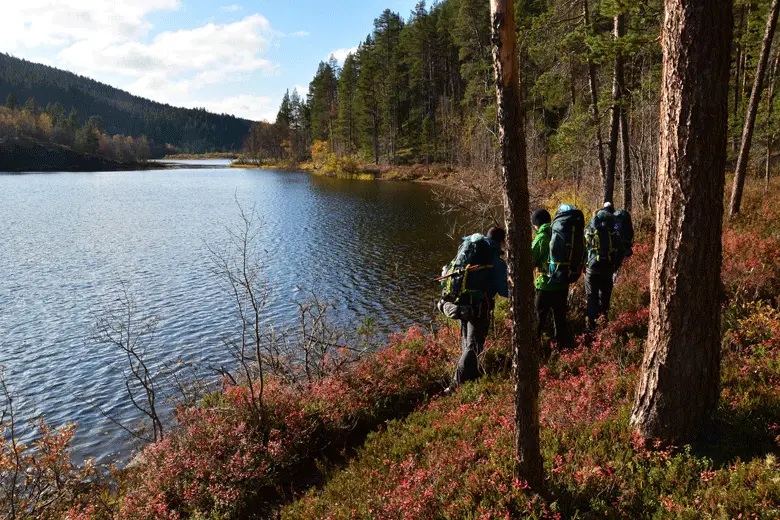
point(69, 239)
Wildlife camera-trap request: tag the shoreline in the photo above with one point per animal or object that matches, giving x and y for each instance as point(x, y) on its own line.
point(433, 174)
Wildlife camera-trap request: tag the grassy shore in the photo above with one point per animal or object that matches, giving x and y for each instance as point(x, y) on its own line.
point(417, 172)
point(202, 156)
point(376, 439)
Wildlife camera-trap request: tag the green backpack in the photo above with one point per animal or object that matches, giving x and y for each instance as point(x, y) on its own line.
point(601, 239)
point(466, 279)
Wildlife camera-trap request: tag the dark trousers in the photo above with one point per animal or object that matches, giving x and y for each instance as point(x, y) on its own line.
point(557, 302)
point(598, 286)
point(473, 333)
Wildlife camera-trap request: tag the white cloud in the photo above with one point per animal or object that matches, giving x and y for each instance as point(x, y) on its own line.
point(341, 54)
point(231, 8)
point(256, 108)
point(109, 40)
point(55, 23)
point(303, 91)
point(213, 48)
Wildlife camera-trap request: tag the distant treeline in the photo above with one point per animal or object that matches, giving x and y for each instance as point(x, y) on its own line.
point(53, 125)
point(189, 130)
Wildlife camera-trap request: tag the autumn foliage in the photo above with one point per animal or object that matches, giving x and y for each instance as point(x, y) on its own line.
point(376, 440)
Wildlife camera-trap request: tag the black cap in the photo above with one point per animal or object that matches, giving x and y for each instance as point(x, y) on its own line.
point(496, 234)
point(540, 216)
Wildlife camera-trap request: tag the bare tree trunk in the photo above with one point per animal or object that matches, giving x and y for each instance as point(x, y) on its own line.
point(679, 384)
point(628, 192)
point(594, 99)
point(770, 133)
point(738, 68)
point(615, 111)
point(750, 118)
point(514, 173)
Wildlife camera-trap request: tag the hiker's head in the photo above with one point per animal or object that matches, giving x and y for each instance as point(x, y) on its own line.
point(497, 235)
point(540, 217)
point(609, 208)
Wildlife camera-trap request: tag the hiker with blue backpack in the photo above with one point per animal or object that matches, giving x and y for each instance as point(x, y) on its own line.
point(624, 228)
point(471, 281)
point(606, 251)
point(557, 251)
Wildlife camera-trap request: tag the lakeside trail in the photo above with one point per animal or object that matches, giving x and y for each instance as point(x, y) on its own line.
point(376, 439)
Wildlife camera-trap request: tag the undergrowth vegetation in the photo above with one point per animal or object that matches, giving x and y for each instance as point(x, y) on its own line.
point(377, 439)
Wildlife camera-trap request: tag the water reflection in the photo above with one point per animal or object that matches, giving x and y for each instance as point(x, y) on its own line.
point(370, 248)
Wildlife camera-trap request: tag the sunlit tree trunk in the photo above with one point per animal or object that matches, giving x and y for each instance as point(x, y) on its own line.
point(514, 174)
point(615, 112)
point(750, 118)
point(628, 191)
point(770, 131)
point(679, 384)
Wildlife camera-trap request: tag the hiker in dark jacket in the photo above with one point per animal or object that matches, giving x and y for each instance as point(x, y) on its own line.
point(605, 255)
point(549, 295)
point(475, 319)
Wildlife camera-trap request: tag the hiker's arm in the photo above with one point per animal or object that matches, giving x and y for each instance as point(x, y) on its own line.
point(538, 251)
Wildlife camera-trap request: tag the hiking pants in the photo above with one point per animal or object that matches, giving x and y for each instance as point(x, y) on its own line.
point(473, 333)
point(557, 301)
point(598, 286)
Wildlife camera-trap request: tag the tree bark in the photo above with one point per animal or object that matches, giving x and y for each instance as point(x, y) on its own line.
point(770, 133)
point(615, 111)
point(679, 384)
point(514, 175)
point(594, 98)
point(628, 191)
point(750, 118)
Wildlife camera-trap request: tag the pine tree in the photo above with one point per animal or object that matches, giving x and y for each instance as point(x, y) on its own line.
point(679, 384)
point(348, 107)
point(11, 103)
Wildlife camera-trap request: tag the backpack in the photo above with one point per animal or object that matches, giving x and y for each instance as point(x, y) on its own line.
point(466, 279)
point(567, 246)
point(601, 240)
point(625, 229)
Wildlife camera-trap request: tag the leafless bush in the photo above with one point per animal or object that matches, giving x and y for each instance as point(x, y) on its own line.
point(130, 333)
point(474, 202)
point(297, 354)
point(239, 264)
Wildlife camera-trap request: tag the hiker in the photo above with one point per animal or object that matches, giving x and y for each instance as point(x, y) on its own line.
point(471, 282)
point(557, 251)
point(624, 228)
point(605, 255)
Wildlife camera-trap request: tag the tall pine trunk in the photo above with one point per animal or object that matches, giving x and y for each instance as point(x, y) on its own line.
point(594, 98)
point(770, 132)
point(750, 118)
point(514, 175)
point(615, 112)
point(679, 384)
point(628, 189)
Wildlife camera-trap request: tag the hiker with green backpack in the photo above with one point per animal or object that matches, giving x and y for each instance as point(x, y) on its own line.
point(471, 281)
point(558, 252)
point(605, 255)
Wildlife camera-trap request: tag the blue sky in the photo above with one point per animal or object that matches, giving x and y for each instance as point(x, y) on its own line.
point(229, 57)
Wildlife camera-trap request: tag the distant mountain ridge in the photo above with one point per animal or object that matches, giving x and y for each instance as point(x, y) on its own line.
point(190, 130)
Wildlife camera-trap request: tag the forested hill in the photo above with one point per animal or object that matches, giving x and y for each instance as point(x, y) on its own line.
point(190, 130)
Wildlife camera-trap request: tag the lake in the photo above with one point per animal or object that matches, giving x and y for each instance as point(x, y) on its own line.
point(71, 240)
